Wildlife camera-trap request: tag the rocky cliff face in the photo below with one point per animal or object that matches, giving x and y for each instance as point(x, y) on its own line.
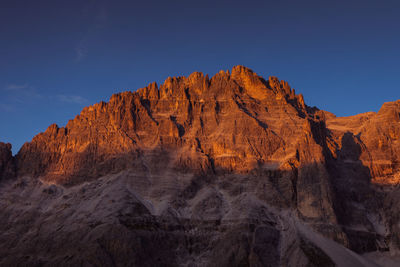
point(231, 122)
point(367, 170)
point(7, 164)
point(232, 169)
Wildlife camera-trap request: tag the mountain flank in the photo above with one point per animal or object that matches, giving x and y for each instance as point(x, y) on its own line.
point(232, 170)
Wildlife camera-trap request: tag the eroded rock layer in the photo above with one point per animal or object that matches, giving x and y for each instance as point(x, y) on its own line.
point(7, 164)
point(200, 166)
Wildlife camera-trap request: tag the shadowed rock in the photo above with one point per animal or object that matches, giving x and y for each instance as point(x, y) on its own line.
point(7, 164)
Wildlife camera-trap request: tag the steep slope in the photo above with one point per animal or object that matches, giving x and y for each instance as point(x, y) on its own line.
point(379, 134)
point(7, 164)
point(232, 123)
point(203, 171)
point(368, 169)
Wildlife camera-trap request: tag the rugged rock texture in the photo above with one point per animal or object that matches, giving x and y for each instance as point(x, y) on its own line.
point(378, 134)
point(232, 123)
point(232, 170)
point(367, 173)
point(229, 123)
point(7, 164)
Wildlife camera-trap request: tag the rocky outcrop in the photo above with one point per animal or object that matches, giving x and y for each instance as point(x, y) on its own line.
point(7, 165)
point(367, 174)
point(231, 122)
point(233, 162)
point(378, 134)
point(124, 220)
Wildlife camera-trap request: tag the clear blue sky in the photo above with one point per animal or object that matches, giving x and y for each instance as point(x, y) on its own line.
point(58, 56)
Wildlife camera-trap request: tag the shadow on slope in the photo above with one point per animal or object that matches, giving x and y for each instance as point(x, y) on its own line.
point(356, 202)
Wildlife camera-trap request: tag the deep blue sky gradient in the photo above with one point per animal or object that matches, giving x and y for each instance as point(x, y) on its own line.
point(58, 56)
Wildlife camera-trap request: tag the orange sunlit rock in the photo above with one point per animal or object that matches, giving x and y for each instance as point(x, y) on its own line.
point(219, 161)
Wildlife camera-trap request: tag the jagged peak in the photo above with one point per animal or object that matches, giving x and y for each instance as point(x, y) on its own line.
point(390, 105)
point(5, 146)
point(195, 75)
point(280, 85)
point(221, 74)
point(240, 69)
point(152, 85)
point(170, 81)
point(200, 84)
point(52, 128)
point(243, 75)
point(390, 110)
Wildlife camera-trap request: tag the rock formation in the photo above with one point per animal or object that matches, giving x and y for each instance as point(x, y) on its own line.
point(7, 165)
point(229, 170)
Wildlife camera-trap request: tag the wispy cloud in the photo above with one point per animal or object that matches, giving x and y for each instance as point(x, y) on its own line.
point(20, 93)
point(81, 50)
point(72, 99)
point(16, 87)
point(13, 96)
point(97, 12)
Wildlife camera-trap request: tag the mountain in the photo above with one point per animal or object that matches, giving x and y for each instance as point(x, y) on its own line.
point(232, 170)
